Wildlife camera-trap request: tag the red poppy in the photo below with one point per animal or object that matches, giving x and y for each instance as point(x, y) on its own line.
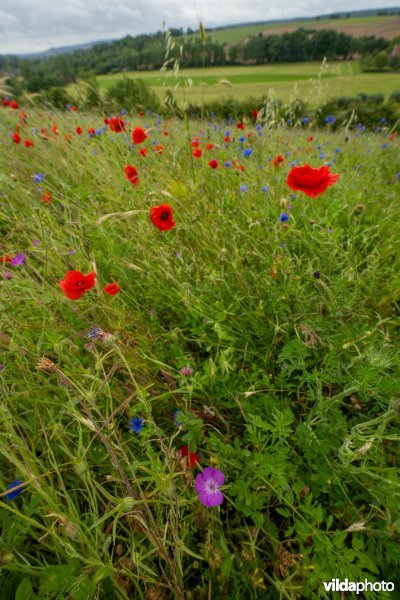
point(46, 198)
point(14, 104)
point(16, 138)
point(131, 174)
point(254, 113)
point(111, 289)
point(55, 129)
point(116, 124)
point(106, 121)
point(197, 153)
point(158, 149)
point(141, 113)
point(75, 284)
point(91, 132)
point(73, 108)
point(5, 102)
point(213, 164)
point(143, 151)
point(68, 137)
point(195, 143)
point(278, 160)
point(240, 125)
point(310, 139)
point(191, 457)
point(161, 217)
point(227, 138)
point(209, 146)
point(28, 143)
point(312, 182)
point(139, 135)
point(79, 130)
point(44, 133)
point(5, 259)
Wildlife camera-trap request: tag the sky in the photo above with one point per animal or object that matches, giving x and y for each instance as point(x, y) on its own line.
point(28, 26)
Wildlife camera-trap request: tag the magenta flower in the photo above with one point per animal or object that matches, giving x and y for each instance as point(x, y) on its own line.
point(187, 371)
point(207, 486)
point(19, 259)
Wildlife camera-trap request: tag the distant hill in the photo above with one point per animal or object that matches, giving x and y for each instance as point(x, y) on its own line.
point(64, 49)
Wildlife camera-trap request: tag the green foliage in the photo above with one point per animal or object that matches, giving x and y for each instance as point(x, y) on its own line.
point(290, 329)
point(132, 94)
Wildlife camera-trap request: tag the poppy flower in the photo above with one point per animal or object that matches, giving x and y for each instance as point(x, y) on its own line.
point(116, 124)
point(139, 135)
point(75, 284)
point(278, 160)
point(46, 198)
point(197, 153)
point(161, 217)
point(191, 457)
point(28, 143)
point(79, 130)
point(73, 108)
point(310, 139)
point(141, 113)
point(55, 129)
point(5, 259)
point(209, 146)
point(312, 182)
point(158, 149)
point(91, 132)
point(111, 289)
point(213, 164)
point(131, 174)
point(240, 125)
point(14, 104)
point(5, 102)
point(227, 139)
point(144, 151)
point(16, 138)
point(254, 113)
point(195, 143)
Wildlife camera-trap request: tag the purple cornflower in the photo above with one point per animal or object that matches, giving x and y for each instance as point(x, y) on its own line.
point(187, 371)
point(19, 259)
point(265, 188)
point(244, 188)
point(14, 493)
point(136, 424)
point(38, 177)
point(207, 486)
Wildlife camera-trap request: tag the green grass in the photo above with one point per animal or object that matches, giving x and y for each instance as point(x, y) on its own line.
point(292, 332)
point(285, 81)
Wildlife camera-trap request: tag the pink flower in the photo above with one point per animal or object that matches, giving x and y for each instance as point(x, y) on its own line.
point(207, 486)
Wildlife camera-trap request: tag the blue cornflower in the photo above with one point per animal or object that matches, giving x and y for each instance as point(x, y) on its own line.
point(330, 119)
point(227, 133)
point(337, 150)
point(242, 139)
point(94, 332)
point(289, 121)
point(123, 112)
point(69, 105)
point(258, 127)
point(321, 155)
point(15, 493)
point(248, 152)
point(265, 188)
point(244, 188)
point(227, 163)
point(136, 424)
point(319, 146)
point(284, 217)
point(38, 177)
point(305, 120)
point(178, 417)
point(99, 131)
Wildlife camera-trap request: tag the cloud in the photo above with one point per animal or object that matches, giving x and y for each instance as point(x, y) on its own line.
point(36, 25)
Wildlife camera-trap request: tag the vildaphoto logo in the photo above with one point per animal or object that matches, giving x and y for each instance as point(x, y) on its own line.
point(358, 586)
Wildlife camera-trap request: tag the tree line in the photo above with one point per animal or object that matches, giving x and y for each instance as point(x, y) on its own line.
point(148, 52)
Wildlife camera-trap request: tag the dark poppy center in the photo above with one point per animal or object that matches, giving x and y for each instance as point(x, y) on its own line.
point(79, 283)
point(164, 216)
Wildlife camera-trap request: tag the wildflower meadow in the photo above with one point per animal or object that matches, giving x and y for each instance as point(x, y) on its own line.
point(199, 348)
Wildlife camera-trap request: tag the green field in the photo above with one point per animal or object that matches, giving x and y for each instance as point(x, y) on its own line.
point(283, 81)
point(374, 25)
point(227, 424)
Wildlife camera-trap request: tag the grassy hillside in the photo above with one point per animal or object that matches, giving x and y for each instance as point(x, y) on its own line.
point(212, 408)
point(381, 26)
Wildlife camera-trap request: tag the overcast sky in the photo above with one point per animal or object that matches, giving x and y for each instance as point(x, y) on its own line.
point(36, 25)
